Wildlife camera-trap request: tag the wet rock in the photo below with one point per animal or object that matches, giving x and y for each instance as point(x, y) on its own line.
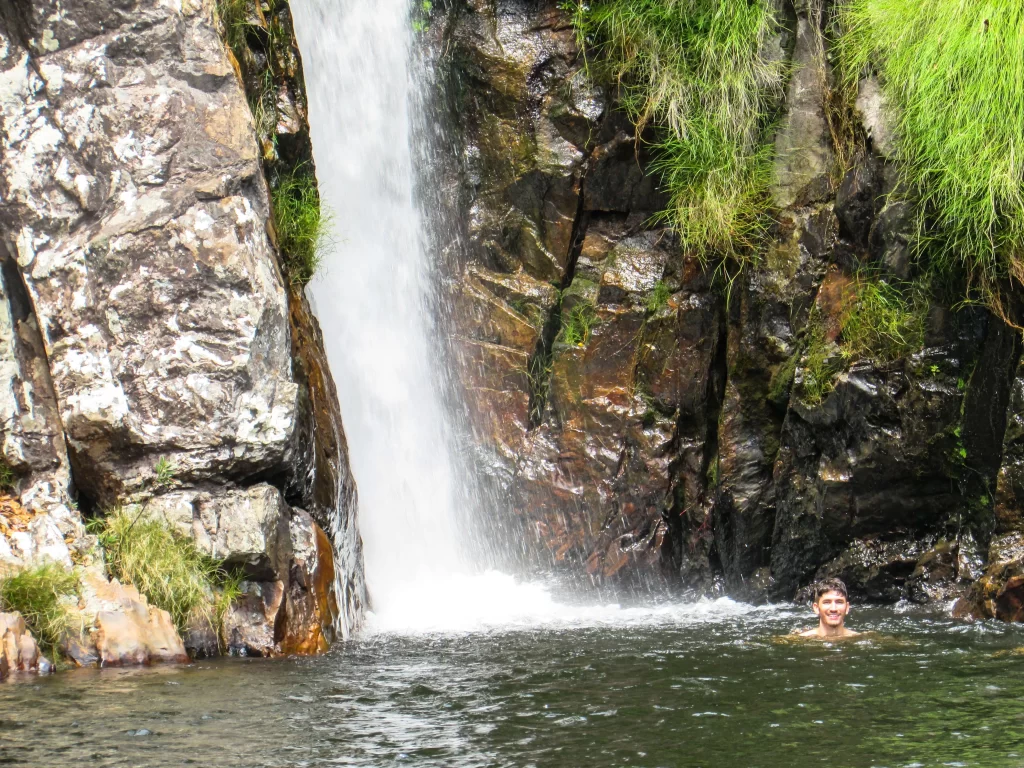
point(804, 156)
point(768, 312)
point(840, 477)
point(321, 477)
point(18, 649)
point(910, 568)
point(999, 592)
point(1009, 495)
point(311, 604)
point(859, 199)
point(252, 626)
point(120, 628)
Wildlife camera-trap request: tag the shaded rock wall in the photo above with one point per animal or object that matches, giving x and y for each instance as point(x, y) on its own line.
point(669, 446)
point(150, 349)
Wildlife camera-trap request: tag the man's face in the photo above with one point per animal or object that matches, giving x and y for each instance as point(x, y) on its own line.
point(832, 608)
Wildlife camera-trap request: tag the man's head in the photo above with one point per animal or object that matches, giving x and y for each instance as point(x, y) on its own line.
point(831, 603)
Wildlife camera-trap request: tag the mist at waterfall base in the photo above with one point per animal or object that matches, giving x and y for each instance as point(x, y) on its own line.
point(376, 301)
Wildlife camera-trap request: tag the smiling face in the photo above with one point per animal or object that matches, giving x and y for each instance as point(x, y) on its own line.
point(832, 608)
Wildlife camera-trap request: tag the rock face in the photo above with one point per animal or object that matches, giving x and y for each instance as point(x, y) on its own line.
point(150, 350)
point(664, 439)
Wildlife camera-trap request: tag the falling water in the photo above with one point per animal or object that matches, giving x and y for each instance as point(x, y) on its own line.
point(374, 298)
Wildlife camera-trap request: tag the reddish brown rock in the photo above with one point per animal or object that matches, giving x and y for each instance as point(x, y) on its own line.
point(311, 605)
point(19, 651)
point(999, 593)
point(120, 628)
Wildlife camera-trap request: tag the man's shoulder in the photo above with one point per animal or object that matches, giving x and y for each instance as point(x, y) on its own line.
point(812, 632)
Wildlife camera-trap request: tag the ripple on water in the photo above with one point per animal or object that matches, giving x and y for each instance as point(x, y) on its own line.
point(682, 691)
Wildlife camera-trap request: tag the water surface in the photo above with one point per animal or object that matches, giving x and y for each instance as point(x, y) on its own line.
point(678, 686)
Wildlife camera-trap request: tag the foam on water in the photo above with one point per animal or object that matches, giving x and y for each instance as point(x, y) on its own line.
point(494, 601)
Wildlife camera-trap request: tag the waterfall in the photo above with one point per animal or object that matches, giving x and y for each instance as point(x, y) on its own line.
point(373, 298)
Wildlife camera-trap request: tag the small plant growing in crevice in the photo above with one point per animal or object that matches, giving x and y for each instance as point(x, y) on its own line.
point(539, 378)
point(164, 566)
point(8, 478)
point(879, 321)
point(658, 297)
point(165, 471)
point(577, 323)
point(884, 321)
point(820, 364)
point(421, 15)
point(301, 224)
point(39, 595)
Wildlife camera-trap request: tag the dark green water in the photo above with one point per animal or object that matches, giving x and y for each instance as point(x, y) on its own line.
point(681, 687)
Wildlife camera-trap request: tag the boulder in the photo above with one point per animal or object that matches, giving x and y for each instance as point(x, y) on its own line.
point(254, 623)
point(116, 626)
point(311, 603)
point(243, 527)
point(999, 592)
point(135, 213)
point(18, 649)
point(919, 569)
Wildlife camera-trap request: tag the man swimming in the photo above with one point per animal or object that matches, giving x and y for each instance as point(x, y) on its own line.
point(831, 604)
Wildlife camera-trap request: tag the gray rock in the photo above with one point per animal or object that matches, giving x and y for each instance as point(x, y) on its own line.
point(135, 207)
point(247, 528)
point(804, 156)
point(871, 103)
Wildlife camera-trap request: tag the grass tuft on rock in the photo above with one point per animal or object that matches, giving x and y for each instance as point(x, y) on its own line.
point(577, 323)
point(953, 75)
point(702, 73)
point(39, 594)
point(301, 224)
point(166, 567)
point(880, 321)
point(884, 322)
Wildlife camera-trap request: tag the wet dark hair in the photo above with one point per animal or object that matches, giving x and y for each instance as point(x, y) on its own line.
point(829, 585)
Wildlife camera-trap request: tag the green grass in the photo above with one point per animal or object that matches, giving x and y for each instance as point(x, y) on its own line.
point(234, 17)
point(166, 567)
point(700, 71)
point(884, 322)
point(8, 478)
point(879, 321)
point(37, 594)
point(953, 72)
point(820, 365)
point(165, 471)
point(577, 323)
point(301, 224)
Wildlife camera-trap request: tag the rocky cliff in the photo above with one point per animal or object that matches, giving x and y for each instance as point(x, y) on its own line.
point(153, 353)
point(652, 422)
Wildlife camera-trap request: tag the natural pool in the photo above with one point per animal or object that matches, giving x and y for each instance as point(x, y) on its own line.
point(695, 685)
